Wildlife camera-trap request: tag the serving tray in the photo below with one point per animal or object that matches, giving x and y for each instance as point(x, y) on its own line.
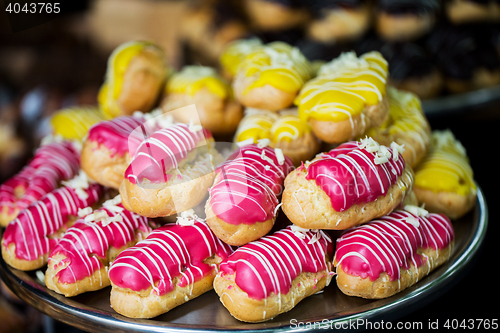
point(329, 309)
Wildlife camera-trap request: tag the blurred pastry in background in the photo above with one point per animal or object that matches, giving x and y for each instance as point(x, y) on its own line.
point(469, 11)
point(467, 60)
point(13, 148)
point(339, 20)
point(347, 97)
point(411, 67)
point(283, 129)
point(207, 27)
point(212, 95)
point(275, 15)
point(135, 77)
point(73, 123)
point(271, 76)
point(404, 20)
point(406, 125)
point(234, 53)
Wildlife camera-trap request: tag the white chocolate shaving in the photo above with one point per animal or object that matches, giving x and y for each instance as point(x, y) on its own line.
point(79, 183)
point(84, 212)
point(279, 155)
point(244, 143)
point(419, 211)
point(263, 142)
point(187, 218)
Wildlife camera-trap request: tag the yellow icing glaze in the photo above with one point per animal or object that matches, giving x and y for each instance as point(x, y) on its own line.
point(193, 78)
point(235, 52)
point(344, 87)
point(277, 64)
point(277, 127)
point(74, 123)
point(446, 168)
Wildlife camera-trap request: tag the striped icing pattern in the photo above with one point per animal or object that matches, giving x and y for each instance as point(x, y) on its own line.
point(277, 64)
point(162, 151)
point(349, 175)
point(115, 134)
point(269, 265)
point(446, 167)
point(85, 244)
point(392, 243)
point(247, 185)
point(344, 87)
point(172, 252)
point(406, 124)
point(277, 127)
point(31, 231)
point(50, 165)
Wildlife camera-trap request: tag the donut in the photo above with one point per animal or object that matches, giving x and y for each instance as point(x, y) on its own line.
point(28, 240)
point(405, 20)
point(106, 152)
point(275, 15)
point(233, 54)
point(243, 201)
point(347, 97)
point(339, 20)
point(80, 261)
point(471, 11)
point(73, 123)
point(271, 275)
point(387, 255)
point(135, 76)
point(212, 95)
point(406, 125)
point(283, 129)
point(51, 164)
point(174, 264)
point(170, 171)
point(271, 76)
point(347, 186)
point(444, 180)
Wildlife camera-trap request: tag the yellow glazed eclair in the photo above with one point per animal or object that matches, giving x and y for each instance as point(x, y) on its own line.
point(444, 180)
point(346, 98)
point(406, 125)
point(234, 53)
point(135, 77)
point(74, 123)
point(283, 129)
point(271, 76)
point(212, 95)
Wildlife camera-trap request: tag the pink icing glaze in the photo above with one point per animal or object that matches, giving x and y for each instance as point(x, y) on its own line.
point(86, 242)
point(270, 264)
point(50, 165)
point(115, 134)
point(170, 251)
point(30, 230)
point(349, 175)
point(163, 151)
point(390, 243)
point(247, 185)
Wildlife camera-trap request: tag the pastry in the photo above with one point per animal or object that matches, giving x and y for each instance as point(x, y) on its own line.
point(470, 11)
point(234, 53)
point(243, 201)
point(275, 15)
point(405, 20)
point(212, 95)
point(407, 126)
point(170, 171)
point(73, 123)
point(135, 77)
point(387, 255)
point(350, 185)
point(51, 164)
point(271, 275)
point(28, 240)
point(444, 180)
point(339, 20)
point(176, 263)
point(347, 97)
point(283, 129)
point(271, 76)
point(80, 261)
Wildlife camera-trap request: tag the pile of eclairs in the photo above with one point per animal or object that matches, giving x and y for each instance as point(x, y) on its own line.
point(328, 148)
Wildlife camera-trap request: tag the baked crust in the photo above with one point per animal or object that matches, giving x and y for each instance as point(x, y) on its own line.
point(403, 27)
point(266, 97)
point(308, 206)
point(382, 287)
point(451, 204)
